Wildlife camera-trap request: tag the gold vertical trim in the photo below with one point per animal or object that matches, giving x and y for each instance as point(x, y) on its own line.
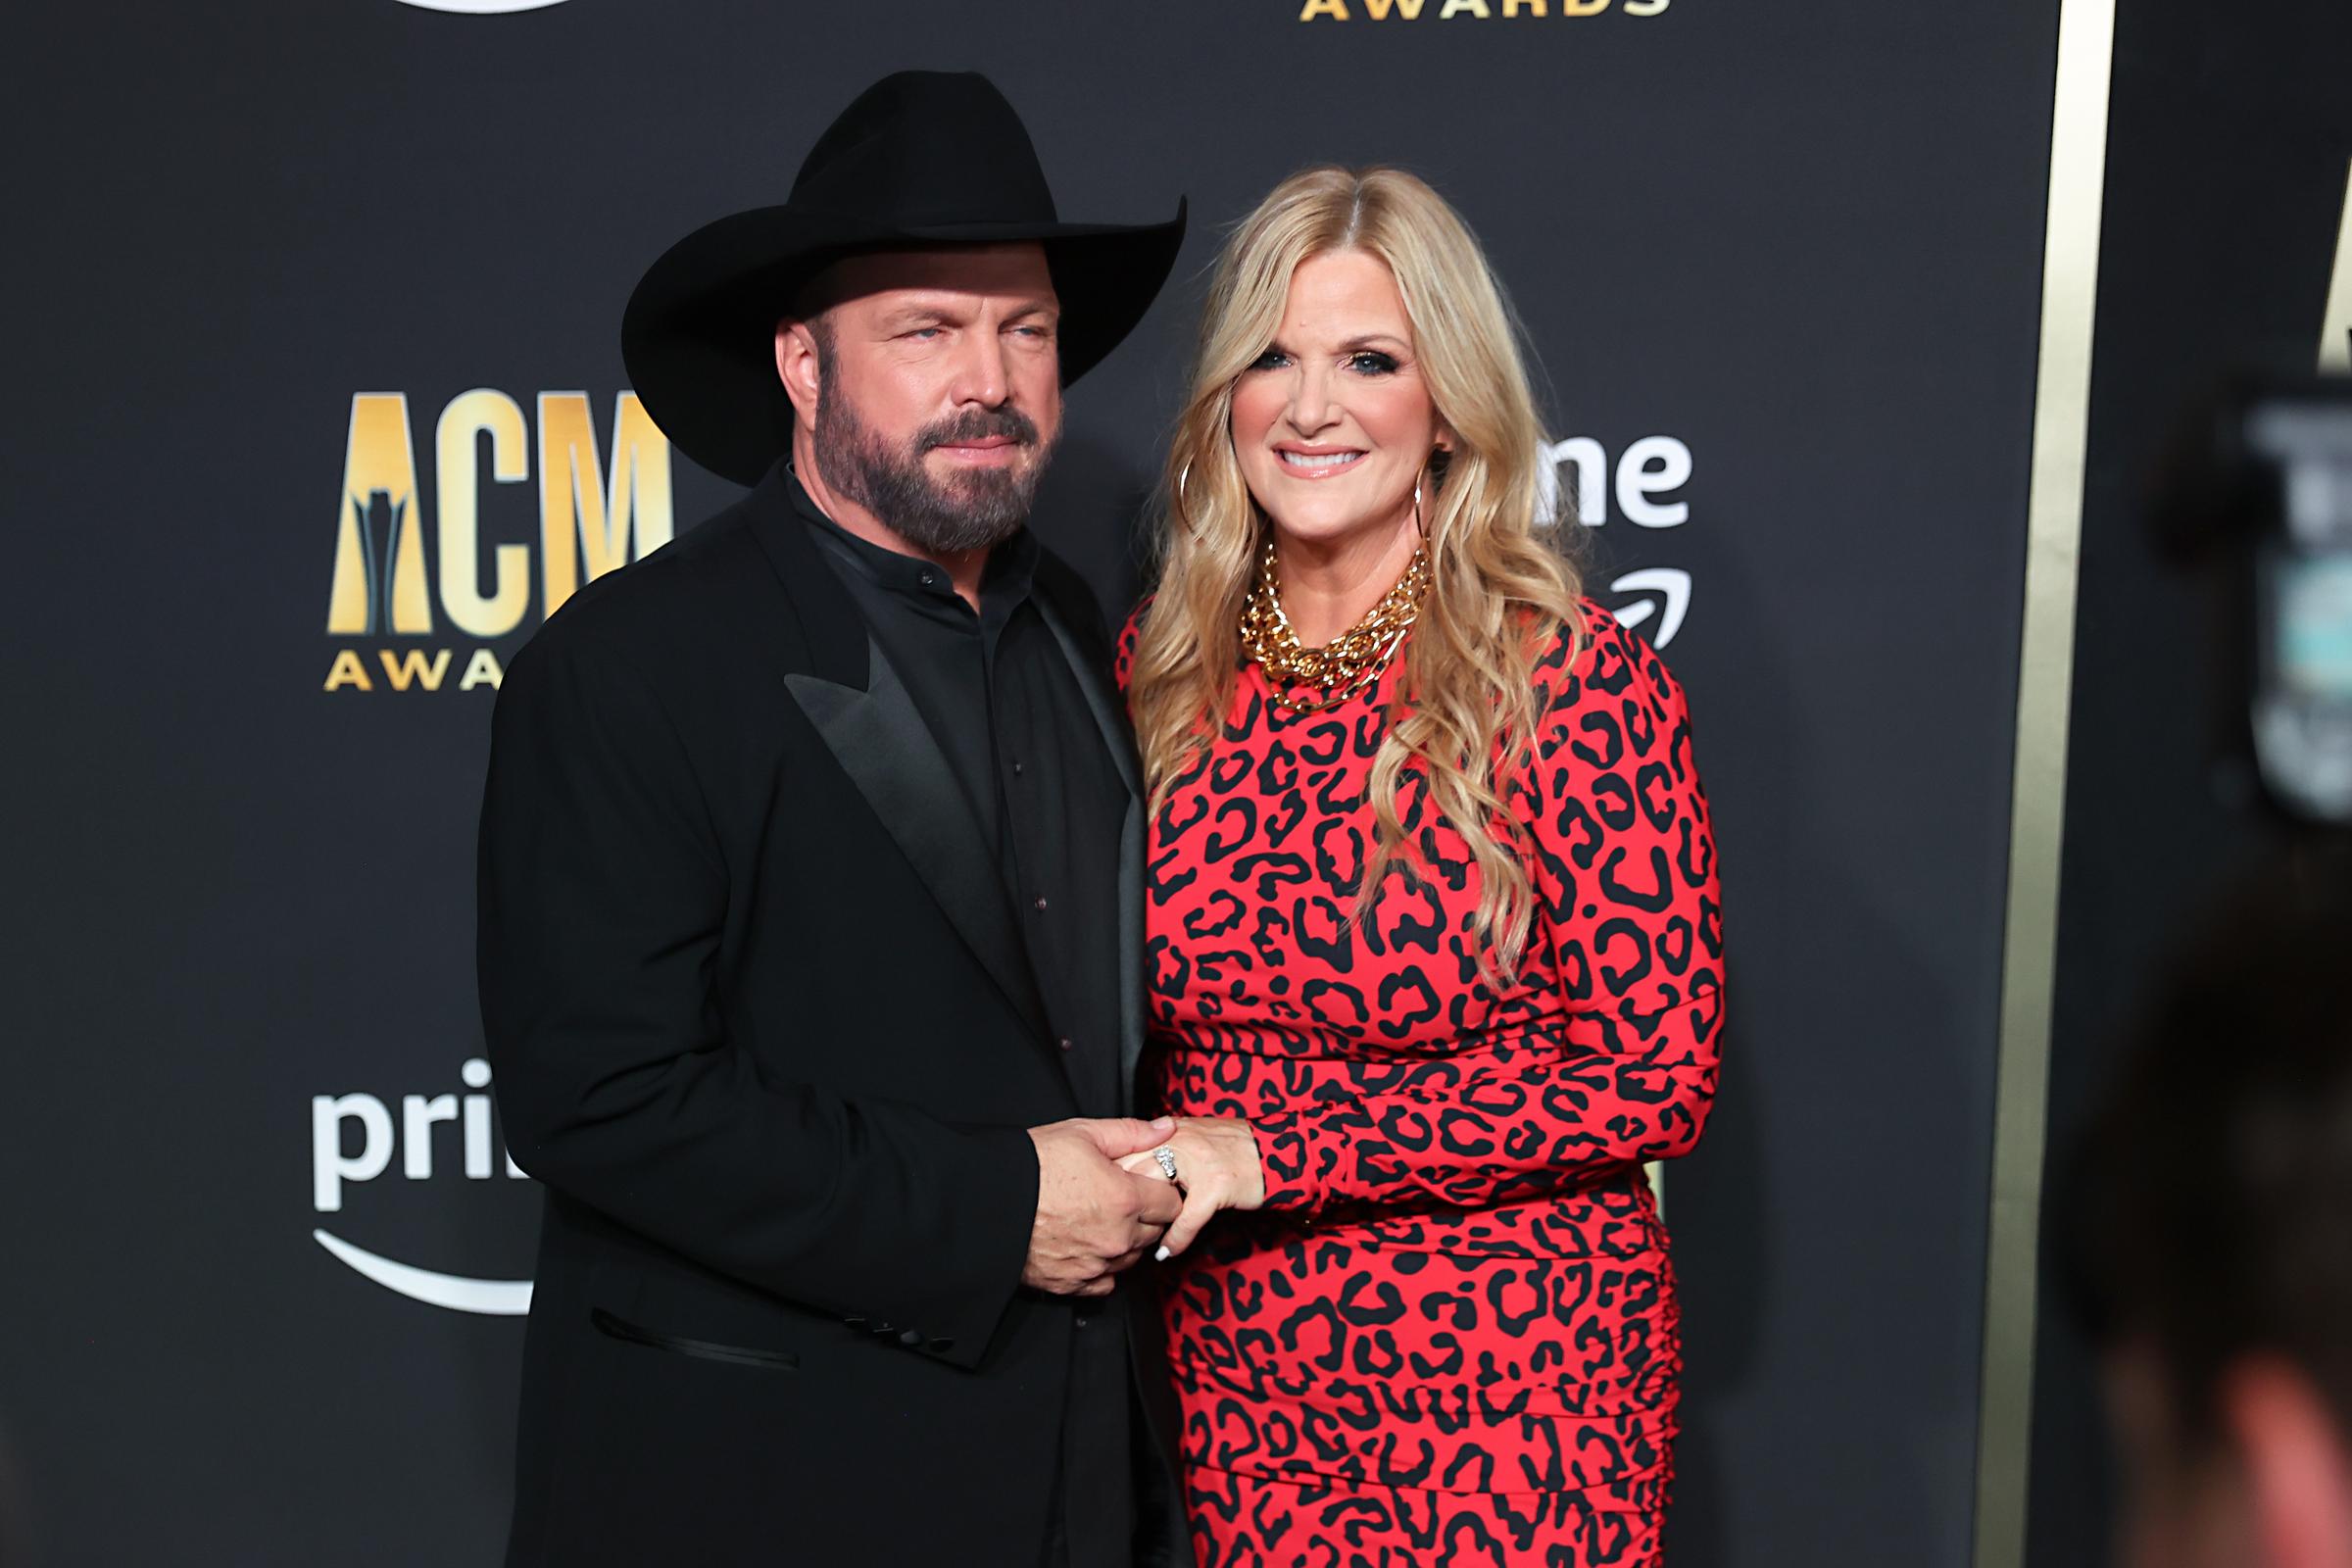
point(2070, 276)
point(2335, 326)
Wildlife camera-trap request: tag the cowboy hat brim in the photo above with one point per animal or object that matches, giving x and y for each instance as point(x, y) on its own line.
point(698, 336)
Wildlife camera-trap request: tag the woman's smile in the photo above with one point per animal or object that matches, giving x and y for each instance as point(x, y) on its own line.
point(1317, 463)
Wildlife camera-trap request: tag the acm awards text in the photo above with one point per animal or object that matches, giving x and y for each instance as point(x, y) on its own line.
point(1476, 10)
point(407, 587)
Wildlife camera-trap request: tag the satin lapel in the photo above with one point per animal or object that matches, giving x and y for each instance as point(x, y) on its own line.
point(862, 711)
point(1110, 717)
point(880, 740)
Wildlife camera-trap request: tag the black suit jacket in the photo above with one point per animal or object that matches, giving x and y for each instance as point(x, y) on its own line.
point(763, 1024)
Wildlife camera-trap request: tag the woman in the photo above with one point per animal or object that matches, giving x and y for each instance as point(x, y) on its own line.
point(1434, 949)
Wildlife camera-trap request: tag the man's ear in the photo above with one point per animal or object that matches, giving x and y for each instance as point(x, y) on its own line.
point(799, 367)
point(2298, 1463)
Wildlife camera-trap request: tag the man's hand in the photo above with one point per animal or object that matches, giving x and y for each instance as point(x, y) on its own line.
point(1092, 1218)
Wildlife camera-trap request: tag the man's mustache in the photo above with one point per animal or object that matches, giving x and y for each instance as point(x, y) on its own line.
point(979, 424)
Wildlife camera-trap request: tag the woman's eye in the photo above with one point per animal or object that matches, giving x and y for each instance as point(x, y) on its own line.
point(1370, 362)
point(1271, 360)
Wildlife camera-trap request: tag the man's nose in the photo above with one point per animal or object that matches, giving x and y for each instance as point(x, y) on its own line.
point(980, 375)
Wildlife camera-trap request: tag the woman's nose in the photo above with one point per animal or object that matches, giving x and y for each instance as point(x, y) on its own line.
point(1310, 403)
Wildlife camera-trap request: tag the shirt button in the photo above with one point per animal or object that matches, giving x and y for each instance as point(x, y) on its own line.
point(1065, 1042)
point(1041, 906)
point(1016, 769)
point(929, 581)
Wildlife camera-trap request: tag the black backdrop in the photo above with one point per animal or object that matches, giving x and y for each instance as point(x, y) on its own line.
point(1803, 240)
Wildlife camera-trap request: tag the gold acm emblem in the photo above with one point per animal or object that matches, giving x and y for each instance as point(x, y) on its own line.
point(416, 594)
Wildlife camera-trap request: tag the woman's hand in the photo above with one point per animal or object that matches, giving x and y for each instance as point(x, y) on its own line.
point(1217, 1165)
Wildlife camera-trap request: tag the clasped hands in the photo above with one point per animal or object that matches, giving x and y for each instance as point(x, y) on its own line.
point(1104, 1200)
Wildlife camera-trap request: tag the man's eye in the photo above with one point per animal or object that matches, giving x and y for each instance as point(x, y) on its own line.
point(924, 332)
point(1271, 360)
point(1371, 362)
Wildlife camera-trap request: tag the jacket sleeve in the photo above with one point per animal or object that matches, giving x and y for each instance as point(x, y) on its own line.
point(603, 890)
point(1630, 916)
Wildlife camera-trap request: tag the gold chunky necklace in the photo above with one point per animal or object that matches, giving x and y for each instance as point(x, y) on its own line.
point(1341, 666)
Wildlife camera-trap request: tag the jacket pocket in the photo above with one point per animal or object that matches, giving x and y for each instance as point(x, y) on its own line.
point(710, 1351)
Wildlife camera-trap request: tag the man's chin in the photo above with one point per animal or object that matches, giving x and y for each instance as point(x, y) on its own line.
point(966, 518)
point(993, 490)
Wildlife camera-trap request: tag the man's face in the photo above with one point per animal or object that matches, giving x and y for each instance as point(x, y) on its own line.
point(938, 389)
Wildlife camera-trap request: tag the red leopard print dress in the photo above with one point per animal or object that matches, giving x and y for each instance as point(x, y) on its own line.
point(1450, 1336)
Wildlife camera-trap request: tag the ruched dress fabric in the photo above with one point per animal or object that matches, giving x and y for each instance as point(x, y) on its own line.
point(1450, 1337)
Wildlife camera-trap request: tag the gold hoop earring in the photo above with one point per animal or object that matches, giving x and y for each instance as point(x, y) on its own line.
point(1420, 528)
point(1184, 508)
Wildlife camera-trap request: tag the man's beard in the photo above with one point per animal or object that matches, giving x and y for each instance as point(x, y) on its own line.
point(973, 510)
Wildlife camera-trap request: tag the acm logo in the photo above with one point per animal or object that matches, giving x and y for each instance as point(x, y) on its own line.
point(404, 588)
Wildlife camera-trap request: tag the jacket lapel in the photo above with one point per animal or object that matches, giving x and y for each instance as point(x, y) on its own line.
point(880, 740)
point(1110, 717)
point(862, 711)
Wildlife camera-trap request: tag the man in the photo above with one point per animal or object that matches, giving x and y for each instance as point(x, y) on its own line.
point(2214, 1239)
point(810, 912)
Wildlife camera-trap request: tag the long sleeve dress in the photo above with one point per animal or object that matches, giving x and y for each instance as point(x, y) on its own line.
point(1450, 1334)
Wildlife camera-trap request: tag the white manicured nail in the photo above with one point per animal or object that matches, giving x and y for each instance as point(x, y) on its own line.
point(1161, 1257)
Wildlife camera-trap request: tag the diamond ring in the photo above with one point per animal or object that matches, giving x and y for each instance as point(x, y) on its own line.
point(1167, 1160)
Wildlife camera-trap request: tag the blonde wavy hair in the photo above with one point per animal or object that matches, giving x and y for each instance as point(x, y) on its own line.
point(1500, 588)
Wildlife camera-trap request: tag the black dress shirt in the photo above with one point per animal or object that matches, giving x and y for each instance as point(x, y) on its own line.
point(1001, 701)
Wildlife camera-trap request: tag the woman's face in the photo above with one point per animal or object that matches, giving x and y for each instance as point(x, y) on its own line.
point(1333, 423)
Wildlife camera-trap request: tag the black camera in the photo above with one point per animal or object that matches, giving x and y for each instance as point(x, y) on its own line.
point(2258, 492)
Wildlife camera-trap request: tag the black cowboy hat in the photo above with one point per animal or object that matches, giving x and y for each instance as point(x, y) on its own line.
point(921, 158)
